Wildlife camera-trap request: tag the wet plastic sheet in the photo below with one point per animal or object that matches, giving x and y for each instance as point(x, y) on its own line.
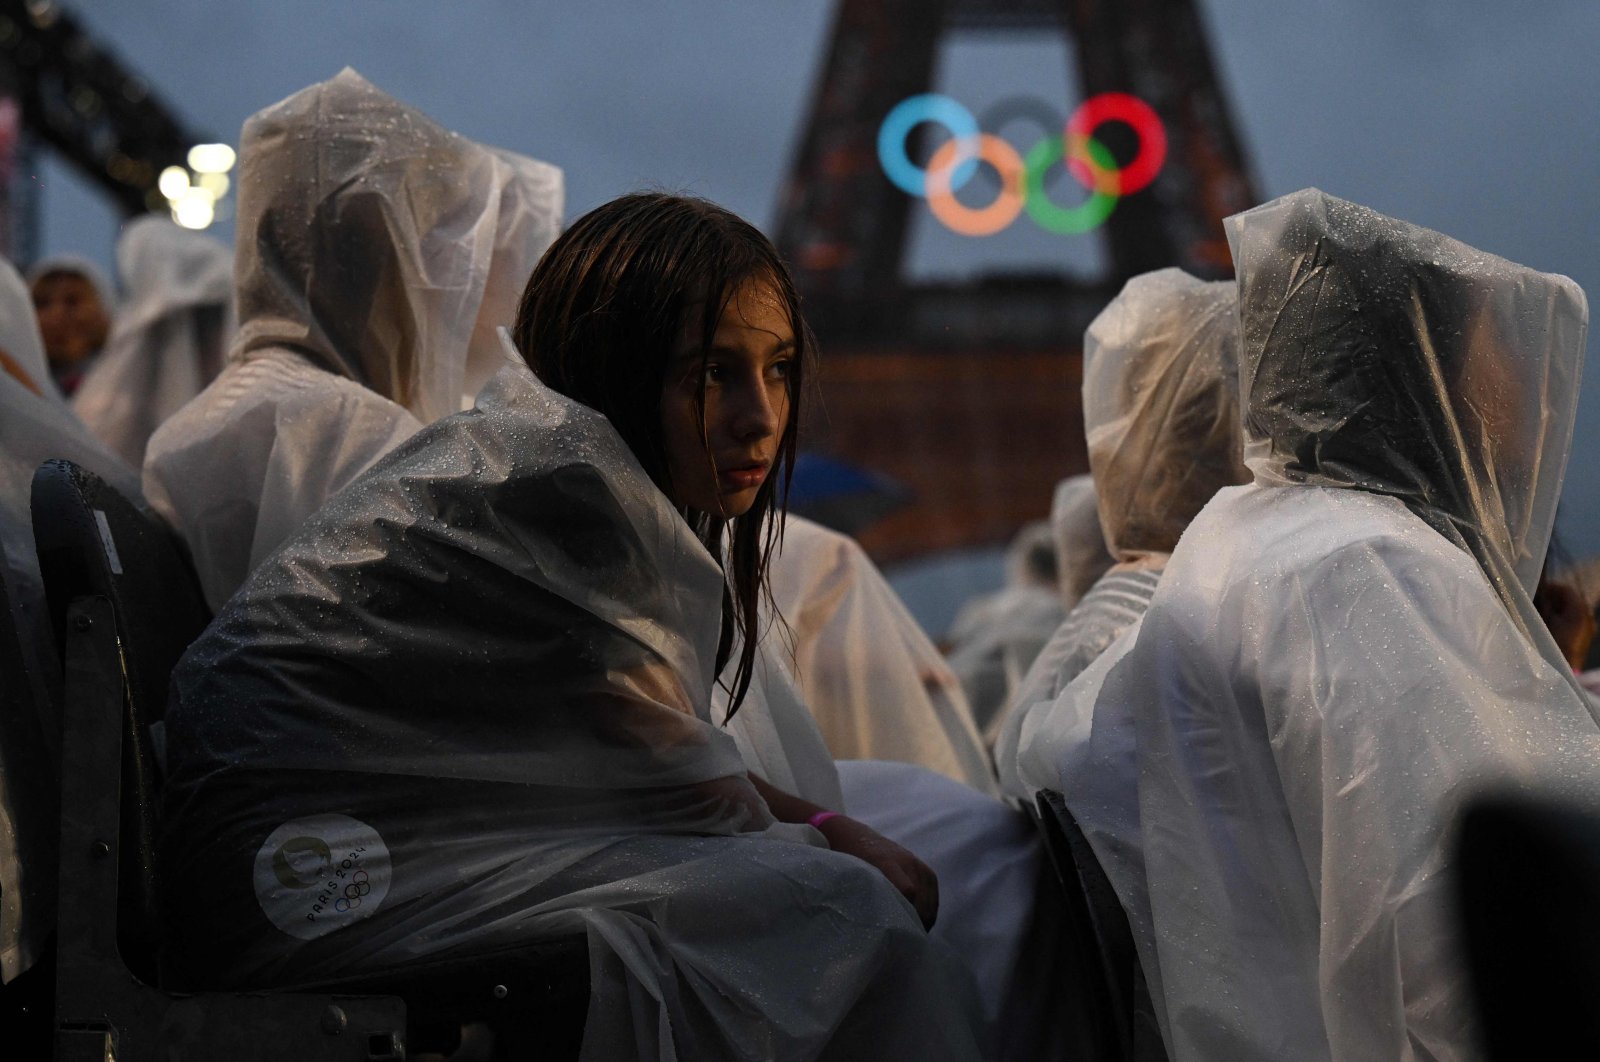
point(168, 339)
point(1337, 656)
point(378, 252)
point(1081, 555)
point(1161, 411)
point(877, 686)
point(481, 677)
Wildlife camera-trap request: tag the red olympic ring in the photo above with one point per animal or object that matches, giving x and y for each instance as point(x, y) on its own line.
point(1141, 117)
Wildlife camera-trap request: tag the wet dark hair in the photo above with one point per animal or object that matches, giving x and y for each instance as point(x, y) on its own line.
point(600, 319)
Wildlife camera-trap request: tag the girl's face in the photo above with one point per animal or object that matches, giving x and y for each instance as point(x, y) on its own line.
point(718, 464)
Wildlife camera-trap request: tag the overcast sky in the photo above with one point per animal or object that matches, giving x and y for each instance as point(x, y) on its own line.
point(1479, 118)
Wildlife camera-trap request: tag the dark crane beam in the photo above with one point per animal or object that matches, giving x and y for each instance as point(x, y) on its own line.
point(81, 101)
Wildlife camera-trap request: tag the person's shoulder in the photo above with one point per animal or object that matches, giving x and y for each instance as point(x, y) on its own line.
point(1292, 525)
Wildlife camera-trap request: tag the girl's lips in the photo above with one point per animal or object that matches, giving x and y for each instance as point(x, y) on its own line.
point(736, 479)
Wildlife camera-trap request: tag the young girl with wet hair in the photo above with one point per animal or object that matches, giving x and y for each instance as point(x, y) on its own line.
point(482, 676)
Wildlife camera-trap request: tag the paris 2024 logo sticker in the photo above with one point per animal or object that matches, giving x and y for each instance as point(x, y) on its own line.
point(318, 874)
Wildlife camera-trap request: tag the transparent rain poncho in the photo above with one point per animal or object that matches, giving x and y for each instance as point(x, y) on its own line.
point(1161, 413)
point(169, 336)
point(1081, 555)
point(994, 639)
point(468, 705)
point(35, 426)
point(876, 685)
point(377, 252)
point(1340, 654)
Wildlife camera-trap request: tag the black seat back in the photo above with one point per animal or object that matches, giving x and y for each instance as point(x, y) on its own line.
point(1108, 987)
point(93, 541)
point(1529, 889)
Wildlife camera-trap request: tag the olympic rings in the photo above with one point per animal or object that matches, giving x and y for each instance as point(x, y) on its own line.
point(1022, 179)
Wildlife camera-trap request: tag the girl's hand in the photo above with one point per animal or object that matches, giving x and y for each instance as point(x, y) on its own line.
point(914, 878)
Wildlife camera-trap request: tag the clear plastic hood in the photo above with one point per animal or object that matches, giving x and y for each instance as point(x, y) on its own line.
point(1380, 355)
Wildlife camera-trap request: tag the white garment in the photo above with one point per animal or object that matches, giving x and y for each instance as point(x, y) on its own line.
point(239, 469)
point(377, 253)
point(777, 737)
point(34, 428)
point(1161, 412)
point(1113, 605)
point(168, 338)
point(994, 641)
point(1081, 555)
point(875, 683)
point(1269, 764)
point(485, 671)
point(986, 855)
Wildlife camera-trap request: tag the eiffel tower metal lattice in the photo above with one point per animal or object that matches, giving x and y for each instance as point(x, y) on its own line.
point(970, 392)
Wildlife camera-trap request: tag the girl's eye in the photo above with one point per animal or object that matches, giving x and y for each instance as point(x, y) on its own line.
point(782, 370)
point(715, 373)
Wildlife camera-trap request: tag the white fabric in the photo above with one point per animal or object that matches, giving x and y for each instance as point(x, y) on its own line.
point(1161, 407)
point(1269, 764)
point(19, 334)
point(776, 735)
point(495, 652)
point(262, 448)
point(875, 683)
point(987, 858)
point(1161, 412)
point(994, 639)
point(1081, 555)
point(377, 253)
point(34, 428)
point(168, 338)
point(994, 642)
point(1112, 606)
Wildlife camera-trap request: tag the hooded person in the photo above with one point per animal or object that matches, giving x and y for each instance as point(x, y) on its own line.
point(1161, 412)
point(994, 639)
point(1269, 765)
point(469, 703)
point(877, 686)
point(1081, 554)
point(377, 251)
point(35, 426)
point(169, 338)
point(74, 304)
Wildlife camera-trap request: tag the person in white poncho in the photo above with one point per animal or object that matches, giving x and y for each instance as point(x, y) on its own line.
point(1339, 654)
point(377, 253)
point(483, 673)
point(169, 336)
point(1081, 554)
point(35, 426)
point(1161, 410)
point(994, 639)
point(876, 685)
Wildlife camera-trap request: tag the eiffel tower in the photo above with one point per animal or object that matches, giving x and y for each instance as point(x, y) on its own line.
point(969, 392)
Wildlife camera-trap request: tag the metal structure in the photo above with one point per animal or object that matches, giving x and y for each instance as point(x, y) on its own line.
point(77, 99)
point(969, 392)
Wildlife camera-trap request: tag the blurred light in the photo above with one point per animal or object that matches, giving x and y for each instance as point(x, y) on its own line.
point(215, 183)
point(174, 182)
point(211, 158)
point(195, 210)
point(43, 12)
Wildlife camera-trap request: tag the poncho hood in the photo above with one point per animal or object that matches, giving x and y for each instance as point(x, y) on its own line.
point(1160, 407)
point(367, 234)
point(1386, 357)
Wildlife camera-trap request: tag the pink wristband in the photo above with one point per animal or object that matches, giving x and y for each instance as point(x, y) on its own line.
point(820, 817)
